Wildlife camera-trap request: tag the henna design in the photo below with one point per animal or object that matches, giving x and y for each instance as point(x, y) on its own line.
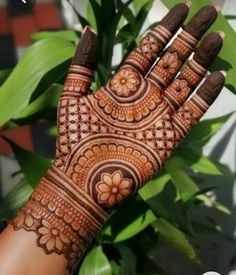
point(181, 48)
point(63, 225)
point(145, 54)
point(113, 188)
point(166, 68)
point(125, 82)
point(194, 70)
point(111, 142)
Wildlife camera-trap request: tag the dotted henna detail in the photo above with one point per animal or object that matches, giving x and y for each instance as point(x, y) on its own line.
point(143, 111)
point(77, 81)
point(184, 44)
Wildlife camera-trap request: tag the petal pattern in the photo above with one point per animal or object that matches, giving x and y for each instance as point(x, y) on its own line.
point(113, 188)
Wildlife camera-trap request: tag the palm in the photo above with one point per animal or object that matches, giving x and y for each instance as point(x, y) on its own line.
point(112, 141)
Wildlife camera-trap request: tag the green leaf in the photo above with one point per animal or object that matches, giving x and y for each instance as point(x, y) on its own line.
point(4, 75)
point(33, 166)
point(128, 261)
point(95, 263)
point(67, 35)
point(154, 186)
point(138, 225)
point(204, 130)
point(16, 91)
point(180, 178)
point(42, 105)
point(201, 163)
point(15, 199)
point(176, 238)
point(229, 40)
point(97, 13)
point(135, 218)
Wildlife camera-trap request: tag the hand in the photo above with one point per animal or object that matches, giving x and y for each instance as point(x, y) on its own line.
point(112, 141)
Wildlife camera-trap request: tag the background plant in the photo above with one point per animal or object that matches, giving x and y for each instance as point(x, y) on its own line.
point(163, 213)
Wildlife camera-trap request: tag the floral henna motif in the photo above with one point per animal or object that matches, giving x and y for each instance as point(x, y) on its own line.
point(166, 69)
point(150, 47)
point(111, 142)
point(63, 225)
point(113, 188)
point(125, 82)
point(177, 93)
point(51, 237)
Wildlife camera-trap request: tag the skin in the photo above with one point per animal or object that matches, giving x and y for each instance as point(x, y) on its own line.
point(19, 252)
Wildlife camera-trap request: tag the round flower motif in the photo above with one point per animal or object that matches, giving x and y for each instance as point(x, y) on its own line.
point(25, 217)
point(170, 62)
point(150, 47)
point(181, 86)
point(125, 82)
point(51, 237)
point(113, 188)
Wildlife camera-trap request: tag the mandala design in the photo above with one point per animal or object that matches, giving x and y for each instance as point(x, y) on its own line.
point(125, 82)
point(111, 142)
point(113, 188)
point(133, 163)
point(116, 114)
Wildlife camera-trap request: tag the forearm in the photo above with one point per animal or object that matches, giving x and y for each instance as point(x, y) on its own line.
point(61, 219)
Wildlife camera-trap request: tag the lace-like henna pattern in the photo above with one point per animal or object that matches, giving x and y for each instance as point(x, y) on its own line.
point(77, 81)
point(179, 51)
point(194, 71)
point(111, 142)
point(63, 216)
point(143, 56)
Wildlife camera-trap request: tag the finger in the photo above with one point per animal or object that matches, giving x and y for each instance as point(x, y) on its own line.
point(81, 72)
point(179, 51)
point(189, 114)
point(144, 55)
point(194, 71)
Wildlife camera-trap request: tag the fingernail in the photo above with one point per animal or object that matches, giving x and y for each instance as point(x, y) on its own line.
point(188, 3)
point(86, 29)
point(221, 34)
point(224, 73)
point(217, 7)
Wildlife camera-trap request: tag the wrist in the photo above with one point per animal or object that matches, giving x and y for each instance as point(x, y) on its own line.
point(64, 217)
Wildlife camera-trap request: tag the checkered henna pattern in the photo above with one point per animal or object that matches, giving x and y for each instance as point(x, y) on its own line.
point(112, 141)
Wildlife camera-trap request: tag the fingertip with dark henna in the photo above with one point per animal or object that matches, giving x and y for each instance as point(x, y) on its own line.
point(176, 16)
point(87, 49)
point(209, 49)
point(212, 86)
point(201, 21)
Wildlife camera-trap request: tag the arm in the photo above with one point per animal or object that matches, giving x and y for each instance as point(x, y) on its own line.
point(111, 142)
